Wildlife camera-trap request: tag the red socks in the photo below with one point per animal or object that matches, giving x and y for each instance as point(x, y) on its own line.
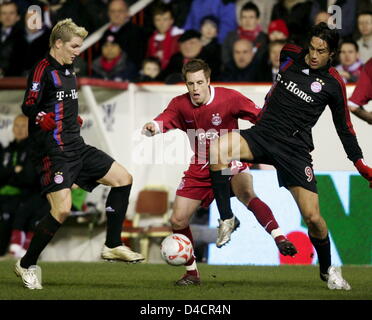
point(263, 214)
point(187, 232)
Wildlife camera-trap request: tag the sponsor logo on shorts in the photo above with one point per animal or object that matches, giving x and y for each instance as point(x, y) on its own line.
point(216, 119)
point(309, 174)
point(58, 177)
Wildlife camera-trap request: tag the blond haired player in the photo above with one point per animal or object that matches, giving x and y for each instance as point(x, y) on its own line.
point(61, 156)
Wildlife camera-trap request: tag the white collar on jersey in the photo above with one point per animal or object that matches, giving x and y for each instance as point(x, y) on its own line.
point(210, 99)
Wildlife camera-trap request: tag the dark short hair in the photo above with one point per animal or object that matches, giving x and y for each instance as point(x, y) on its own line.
point(189, 34)
point(162, 8)
point(210, 18)
point(324, 32)
point(250, 6)
point(365, 12)
point(151, 60)
point(349, 41)
point(196, 65)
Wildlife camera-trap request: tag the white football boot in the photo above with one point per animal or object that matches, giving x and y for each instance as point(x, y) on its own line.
point(335, 279)
point(122, 253)
point(31, 277)
point(225, 229)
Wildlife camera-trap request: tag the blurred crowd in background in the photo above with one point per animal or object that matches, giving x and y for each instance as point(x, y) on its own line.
point(240, 39)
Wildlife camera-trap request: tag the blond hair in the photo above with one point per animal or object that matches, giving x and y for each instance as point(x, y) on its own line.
point(65, 30)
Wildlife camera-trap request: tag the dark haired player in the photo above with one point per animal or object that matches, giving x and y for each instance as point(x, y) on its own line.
point(305, 84)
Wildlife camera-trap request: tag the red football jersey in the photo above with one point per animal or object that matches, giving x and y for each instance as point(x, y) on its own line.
point(207, 122)
point(363, 89)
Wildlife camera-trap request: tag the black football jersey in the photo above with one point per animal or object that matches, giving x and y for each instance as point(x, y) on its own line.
point(52, 87)
point(299, 96)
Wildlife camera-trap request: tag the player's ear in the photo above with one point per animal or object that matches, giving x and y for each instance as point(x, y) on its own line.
point(58, 44)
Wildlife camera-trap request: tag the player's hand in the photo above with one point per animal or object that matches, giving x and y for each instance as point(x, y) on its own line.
point(45, 120)
point(149, 129)
point(364, 170)
point(80, 121)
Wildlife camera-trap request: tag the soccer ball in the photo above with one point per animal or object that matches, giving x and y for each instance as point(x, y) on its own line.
point(176, 249)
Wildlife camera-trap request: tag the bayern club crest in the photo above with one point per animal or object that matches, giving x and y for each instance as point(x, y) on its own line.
point(216, 119)
point(58, 177)
point(317, 85)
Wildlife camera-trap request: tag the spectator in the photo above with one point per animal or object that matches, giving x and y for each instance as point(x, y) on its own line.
point(270, 69)
point(34, 41)
point(130, 36)
point(243, 68)
point(278, 30)
point(249, 29)
point(179, 8)
point(350, 65)
point(10, 31)
point(346, 20)
point(113, 64)
point(164, 41)
point(296, 14)
point(94, 14)
point(322, 16)
point(222, 9)
point(190, 47)
point(265, 8)
point(18, 178)
point(150, 71)
point(209, 32)
point(365, 41)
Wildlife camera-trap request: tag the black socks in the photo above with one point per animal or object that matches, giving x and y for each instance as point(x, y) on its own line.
point(323, 249)
point(116, 208)
point(44, 233)
point(221, 189)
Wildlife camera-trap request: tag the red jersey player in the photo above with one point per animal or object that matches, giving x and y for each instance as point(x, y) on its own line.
point(362, 94)
point(206, 112)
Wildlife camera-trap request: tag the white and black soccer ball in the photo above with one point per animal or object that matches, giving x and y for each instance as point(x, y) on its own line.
point(176, 249)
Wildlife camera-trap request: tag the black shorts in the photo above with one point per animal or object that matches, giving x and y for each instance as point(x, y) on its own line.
point(292, 162)
point(84, 167)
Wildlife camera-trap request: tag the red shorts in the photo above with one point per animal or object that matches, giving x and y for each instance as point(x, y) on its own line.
point(197, 184)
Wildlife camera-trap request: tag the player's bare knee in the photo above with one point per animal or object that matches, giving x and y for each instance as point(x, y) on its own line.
point(312, 219)
point(122, 180)
point(245, 196)
point(61, 214)
point(177, 223)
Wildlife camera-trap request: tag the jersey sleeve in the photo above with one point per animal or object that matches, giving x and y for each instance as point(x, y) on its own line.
point(363, 89)
point(244, 108)
point(170, 118)
point(289, 51)
point(36, 83)
point(342, 122)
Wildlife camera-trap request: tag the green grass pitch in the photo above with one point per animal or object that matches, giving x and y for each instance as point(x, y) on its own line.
point(120, 281)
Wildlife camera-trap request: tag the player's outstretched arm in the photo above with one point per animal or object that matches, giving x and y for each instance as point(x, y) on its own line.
point(150, 129)
point(364, 170)
point(361, 113)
